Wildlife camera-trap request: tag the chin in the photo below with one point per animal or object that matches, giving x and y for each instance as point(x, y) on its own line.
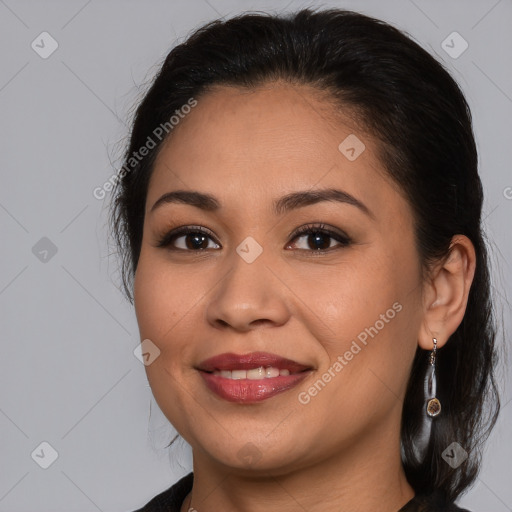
point(253, 454)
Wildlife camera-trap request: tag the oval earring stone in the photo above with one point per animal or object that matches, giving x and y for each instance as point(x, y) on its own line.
point(433, 407)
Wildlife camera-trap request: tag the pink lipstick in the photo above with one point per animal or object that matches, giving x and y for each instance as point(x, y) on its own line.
point(249, 378)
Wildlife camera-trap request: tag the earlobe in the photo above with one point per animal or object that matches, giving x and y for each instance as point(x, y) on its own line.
point(446, 293)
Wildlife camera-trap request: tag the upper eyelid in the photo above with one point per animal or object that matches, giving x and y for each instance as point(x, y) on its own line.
point(301, 230)
point(318, 227)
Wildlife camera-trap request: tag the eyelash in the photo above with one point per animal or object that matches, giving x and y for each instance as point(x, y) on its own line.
point(308, 229)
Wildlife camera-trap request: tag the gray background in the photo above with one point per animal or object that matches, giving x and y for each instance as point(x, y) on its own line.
point(68, 373)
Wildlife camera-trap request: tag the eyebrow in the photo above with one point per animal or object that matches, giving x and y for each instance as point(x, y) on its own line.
point(202, 201)
point(309, 197)
point(284, 204)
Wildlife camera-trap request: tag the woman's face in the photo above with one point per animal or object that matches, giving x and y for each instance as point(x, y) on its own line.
point(300, 259)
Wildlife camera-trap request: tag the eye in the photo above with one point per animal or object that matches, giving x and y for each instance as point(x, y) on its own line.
point(318, 238)
point(313, 238)
point(189, 238)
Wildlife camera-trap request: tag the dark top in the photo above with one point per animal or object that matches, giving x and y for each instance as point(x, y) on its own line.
point(172, 499)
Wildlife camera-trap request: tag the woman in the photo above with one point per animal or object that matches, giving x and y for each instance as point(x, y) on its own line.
point(299, 216)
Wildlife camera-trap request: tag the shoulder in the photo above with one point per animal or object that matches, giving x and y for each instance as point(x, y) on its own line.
point(172, 498)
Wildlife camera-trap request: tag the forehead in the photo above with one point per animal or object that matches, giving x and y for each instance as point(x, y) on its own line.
point(284, 118)
point(272, 139)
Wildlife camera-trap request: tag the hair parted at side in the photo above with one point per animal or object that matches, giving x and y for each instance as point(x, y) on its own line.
point(420, 118)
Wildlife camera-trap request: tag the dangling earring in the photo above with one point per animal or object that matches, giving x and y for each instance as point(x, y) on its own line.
point(433, 408)
point(433, 404)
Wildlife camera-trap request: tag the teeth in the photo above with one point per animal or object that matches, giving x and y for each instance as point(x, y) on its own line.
point(255, 374)
point(271, 372)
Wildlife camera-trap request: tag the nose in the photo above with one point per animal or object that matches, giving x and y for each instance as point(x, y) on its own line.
point(248, 297)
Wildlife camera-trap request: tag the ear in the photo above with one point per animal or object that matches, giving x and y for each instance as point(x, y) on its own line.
point(446, 292)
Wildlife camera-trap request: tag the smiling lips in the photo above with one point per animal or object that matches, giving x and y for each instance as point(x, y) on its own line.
point(251, 377)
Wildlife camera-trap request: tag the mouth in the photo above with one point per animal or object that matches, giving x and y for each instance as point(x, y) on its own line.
point(249, 378)
point(262, 372)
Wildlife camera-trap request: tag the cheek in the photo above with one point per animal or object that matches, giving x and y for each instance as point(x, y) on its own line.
point(351, 296)
point(169, 306)
point(164, 309)
point(160, 298)
point(160, 295)
point(373, 313)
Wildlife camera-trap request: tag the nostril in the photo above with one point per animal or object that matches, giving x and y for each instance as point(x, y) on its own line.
point(262, 321)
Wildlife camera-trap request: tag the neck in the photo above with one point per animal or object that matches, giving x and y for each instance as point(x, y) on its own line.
point(368, 477)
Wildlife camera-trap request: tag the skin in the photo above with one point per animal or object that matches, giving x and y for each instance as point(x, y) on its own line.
point(248, 148)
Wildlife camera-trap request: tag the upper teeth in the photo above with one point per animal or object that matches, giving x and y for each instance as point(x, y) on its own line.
point(254, 374)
